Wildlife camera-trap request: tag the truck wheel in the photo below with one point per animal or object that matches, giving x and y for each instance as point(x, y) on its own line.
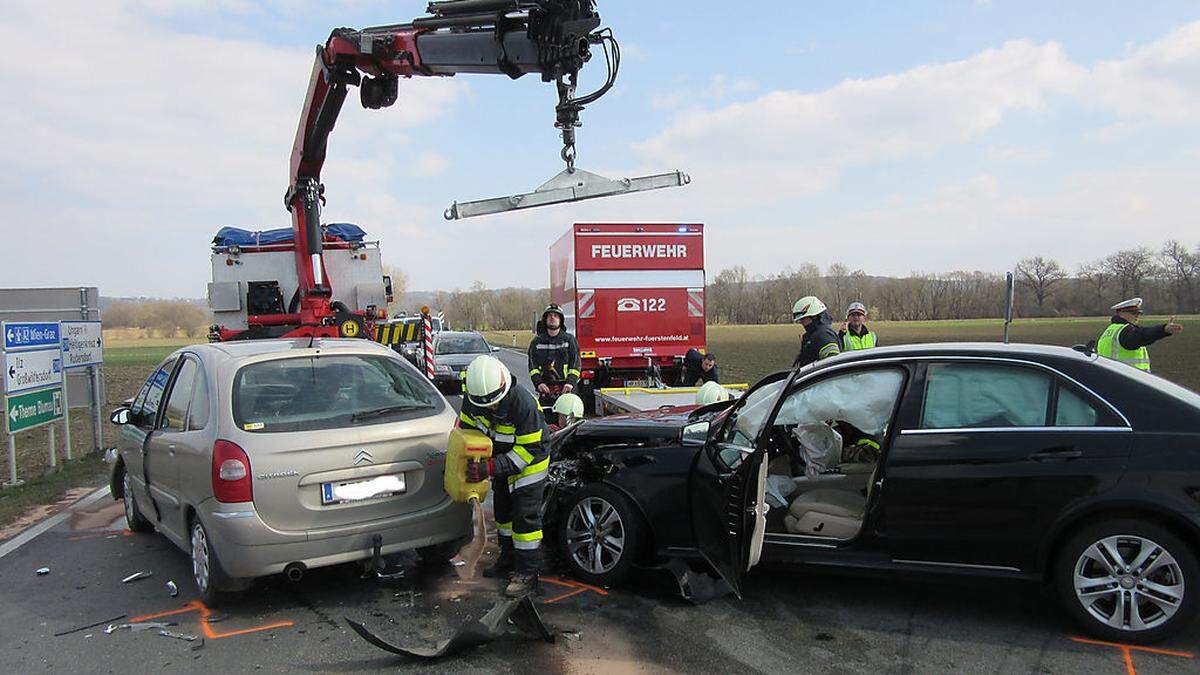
point(134, 520)
point(600, 535)
point(1128, 581)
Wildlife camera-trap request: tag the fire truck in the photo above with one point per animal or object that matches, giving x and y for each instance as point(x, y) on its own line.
point(633, 295)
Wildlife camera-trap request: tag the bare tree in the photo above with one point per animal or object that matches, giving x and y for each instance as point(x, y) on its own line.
point(399, 288)
point(1097, 279)
point(1039, 276)
point(1129, 268)
point(838, 283)
point(1182, 270)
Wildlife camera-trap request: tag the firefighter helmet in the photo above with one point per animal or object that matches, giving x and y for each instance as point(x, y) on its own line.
point(809, 305)
point(554, 309)
point(570, 405)
point(488, 381)
point(711, 392)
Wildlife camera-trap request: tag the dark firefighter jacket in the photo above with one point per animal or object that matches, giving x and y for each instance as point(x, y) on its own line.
point(516, 427)
point(554, 360)
point(820, 341)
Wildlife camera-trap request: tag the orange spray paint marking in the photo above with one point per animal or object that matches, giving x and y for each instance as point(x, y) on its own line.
point(575, 586)
point(1127, 651)
point(205, 612)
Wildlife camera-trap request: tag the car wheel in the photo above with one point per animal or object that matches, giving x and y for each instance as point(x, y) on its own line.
point(1128, 581)
point(134, 520)
point(600, 535)
point(210, 579)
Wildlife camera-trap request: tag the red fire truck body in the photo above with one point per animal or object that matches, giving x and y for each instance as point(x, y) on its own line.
point(633, 295)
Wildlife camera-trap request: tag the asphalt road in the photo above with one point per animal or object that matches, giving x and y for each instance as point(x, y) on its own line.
point(788, 621)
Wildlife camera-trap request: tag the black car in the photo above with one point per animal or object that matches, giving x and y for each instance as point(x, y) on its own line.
point(1021, 461)
point(452, 353)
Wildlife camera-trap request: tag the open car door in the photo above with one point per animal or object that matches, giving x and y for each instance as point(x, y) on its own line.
point(727, 488)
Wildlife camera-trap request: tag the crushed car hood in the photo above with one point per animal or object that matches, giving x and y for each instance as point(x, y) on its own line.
point(656, 424)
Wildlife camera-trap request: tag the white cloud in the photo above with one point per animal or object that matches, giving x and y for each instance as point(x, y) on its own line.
point(153, 139)
point(718, 89)
point(1017, 154)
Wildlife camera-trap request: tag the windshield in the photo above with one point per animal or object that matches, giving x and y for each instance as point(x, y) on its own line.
point(747, 420)
point(328, 392)
point(462, 344)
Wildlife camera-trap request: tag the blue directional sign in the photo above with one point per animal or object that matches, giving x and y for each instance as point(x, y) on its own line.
point(19, 336)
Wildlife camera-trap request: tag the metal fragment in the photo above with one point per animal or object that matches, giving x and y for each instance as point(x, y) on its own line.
point(137, 576)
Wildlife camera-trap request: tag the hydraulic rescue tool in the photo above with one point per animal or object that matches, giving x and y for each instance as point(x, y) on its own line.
point(553, 38)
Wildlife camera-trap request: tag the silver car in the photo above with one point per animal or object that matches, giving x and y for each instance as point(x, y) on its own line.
point(271, 456)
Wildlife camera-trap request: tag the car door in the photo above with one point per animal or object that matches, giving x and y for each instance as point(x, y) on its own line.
point(994, 452)
point(727, 484)
point(163, 444)
point(143, 418)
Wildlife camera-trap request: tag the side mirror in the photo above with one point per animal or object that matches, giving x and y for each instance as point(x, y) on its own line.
point(695, 435)
point(495, 348)
point(119, 416)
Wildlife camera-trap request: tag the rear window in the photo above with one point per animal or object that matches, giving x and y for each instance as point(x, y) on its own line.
point(329, 392)
point(462, 344)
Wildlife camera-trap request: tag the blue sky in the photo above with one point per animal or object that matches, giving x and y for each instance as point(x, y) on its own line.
point(895, 137)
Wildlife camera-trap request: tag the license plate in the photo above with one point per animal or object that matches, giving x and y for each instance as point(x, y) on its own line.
point(637, 383)
point(343, 492)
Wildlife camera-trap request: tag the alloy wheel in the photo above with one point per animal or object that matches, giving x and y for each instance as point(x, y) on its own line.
point(127, 498)
point(200, 557)
point(595, 535)
point(1129, 582)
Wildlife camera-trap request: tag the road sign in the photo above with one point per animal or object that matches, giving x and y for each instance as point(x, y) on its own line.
point(30, 335)
point(33, 409)
point(24, 371)
point(82, 344)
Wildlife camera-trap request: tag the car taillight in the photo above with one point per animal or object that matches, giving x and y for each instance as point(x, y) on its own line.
point(231, 473)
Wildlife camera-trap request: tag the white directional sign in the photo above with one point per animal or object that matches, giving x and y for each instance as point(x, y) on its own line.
point(82, 344)
point(32, 370)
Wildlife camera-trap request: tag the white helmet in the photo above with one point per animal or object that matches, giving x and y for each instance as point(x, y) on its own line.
point(711, 392)
point(809, 305)
point(856, 307)
point(488, 381)
point(570, 405)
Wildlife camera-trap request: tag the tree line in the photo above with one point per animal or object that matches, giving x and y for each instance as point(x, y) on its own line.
point(161, 318)
point(1167, 278)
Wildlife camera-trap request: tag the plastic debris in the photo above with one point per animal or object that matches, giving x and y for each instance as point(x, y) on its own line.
point(572, 635)
point(458, 562)
point(173, 588)
point(42, 571)
point(138, 627)
point(137, 576)
point(216, 618)
point(177, 636)
point(197, 647)
point(492, 625)
point(90, 625)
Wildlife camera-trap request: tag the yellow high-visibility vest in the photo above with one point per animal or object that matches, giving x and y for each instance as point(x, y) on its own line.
point(854, 342)
point(1109, 345)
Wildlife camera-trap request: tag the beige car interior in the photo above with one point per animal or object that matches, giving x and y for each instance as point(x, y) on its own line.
point(826, 461)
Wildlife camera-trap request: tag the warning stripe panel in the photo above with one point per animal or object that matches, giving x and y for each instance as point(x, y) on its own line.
point(695, 302)
point(587, 304)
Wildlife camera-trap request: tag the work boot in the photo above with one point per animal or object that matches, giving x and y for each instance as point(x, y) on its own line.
point(521, 584)
point(504, 564)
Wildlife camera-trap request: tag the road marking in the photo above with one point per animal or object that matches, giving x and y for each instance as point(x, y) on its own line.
point(205, 612)
point(1127, 651)
point(48, 524)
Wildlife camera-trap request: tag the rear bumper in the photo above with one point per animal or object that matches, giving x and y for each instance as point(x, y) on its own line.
point(247, 547)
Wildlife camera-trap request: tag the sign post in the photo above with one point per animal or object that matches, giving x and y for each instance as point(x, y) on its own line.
point(1009, 293)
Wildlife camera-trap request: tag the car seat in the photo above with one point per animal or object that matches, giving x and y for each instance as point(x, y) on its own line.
point(827, 512)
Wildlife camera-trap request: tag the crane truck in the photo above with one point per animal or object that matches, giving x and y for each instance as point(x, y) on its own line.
point(550, 38)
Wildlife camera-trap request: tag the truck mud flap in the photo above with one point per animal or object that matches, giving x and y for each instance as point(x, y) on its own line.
point(474, 633)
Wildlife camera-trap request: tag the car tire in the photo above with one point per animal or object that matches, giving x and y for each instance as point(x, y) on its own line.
point(134, 520)
point(1149, 593)
point(600, 535)
point(212, 584)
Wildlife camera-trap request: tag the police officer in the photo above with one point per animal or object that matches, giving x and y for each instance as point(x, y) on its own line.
point(1125, 340)
point(819, 340)
point(854, 334)
point(510, 416)
point(698, 368)
point(553, 354)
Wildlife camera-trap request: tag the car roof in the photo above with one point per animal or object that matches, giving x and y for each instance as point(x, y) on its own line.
point(983, 349)
point(244, 349)
point(457, 333)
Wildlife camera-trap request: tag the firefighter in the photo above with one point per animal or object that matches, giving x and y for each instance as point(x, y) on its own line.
point(854, 334)
point(553, 355)
point(698, 368)
point(568, 409)
point(1125, 340)
point(520, 459)
point(819, 340)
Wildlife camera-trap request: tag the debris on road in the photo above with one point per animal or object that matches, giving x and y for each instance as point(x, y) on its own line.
point(173, 588)
point(42, 571)
point(90, 625)
point(519, 611)
point(572, 635)
point(695, 587)
point(137, 576)
point(177, 636)
point(138, 627)
point(216, 618)
point(458, 562)
point(199, 646)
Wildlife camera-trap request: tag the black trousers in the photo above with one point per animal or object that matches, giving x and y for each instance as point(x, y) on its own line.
point(519, 519)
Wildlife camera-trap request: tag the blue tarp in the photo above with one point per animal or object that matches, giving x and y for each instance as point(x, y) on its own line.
point(236, 236)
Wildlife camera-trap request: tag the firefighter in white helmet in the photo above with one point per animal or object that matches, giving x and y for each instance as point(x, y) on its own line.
point(819, 340)
point(569, 409)
point(854, 334)
point(710, 393)
point(511, 417)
